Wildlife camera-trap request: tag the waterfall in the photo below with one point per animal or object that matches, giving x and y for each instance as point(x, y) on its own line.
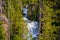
point(33, 29)
point(31, 25)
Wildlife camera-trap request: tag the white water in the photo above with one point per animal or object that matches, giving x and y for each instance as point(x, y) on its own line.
point(31, 25)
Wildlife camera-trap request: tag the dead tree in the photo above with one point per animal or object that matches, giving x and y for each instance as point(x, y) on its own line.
point(40, 2)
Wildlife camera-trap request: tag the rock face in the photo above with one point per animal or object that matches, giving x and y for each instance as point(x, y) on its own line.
point(0, 6)
point(4, 19)
point(5, 26)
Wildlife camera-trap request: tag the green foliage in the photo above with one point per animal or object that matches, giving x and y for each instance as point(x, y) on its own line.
point(2, 36)
point(50, 19)
point(49, 31)
point(18, 25)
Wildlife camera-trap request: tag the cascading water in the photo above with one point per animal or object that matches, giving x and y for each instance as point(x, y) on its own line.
point(31, 25)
